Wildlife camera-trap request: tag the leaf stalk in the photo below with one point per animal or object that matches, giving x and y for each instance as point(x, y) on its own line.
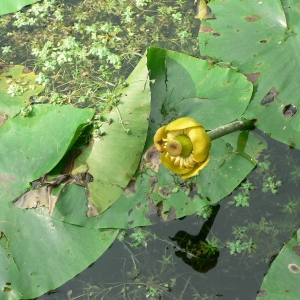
point(231, 127)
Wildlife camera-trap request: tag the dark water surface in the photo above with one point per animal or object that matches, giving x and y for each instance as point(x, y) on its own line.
point(125, 272)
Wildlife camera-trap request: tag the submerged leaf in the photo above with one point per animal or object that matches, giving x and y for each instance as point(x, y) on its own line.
point(18, 89)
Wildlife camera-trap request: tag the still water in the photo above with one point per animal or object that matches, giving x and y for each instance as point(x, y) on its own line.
point(166, 268)
point(169, 263)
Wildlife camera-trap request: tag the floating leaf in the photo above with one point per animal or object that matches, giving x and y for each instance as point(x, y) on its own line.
point(17, 88)
point(282, 279)
point(174, 77)
point(30, 147)
point(187, 86)
point(8, 6)
point(113, 158)
point(261, 38)
point(39, 253)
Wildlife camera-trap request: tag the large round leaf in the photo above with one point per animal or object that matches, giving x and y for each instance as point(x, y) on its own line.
point(164, 193)
point(262, 39)
point(39, 253)
point(179, 77)
point(282, 279)
point(187, 86)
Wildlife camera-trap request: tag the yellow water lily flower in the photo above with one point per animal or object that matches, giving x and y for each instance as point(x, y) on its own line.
point(185, 146)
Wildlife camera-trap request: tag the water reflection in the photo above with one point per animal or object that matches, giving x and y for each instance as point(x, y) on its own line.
point(196, 251)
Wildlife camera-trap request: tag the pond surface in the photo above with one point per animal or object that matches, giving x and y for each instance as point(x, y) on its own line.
point(162, 266)
point(157, 267)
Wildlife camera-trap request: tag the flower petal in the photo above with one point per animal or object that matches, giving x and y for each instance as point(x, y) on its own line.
point(182, 123)
point(158, 138)
point(201, 143)
point(167, 162)
point(197, 169)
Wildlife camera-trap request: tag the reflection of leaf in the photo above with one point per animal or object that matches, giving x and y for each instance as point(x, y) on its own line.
point(263, 42)
point(282, 279)
point(113, 159)
point(20, 80)
point(195, 250)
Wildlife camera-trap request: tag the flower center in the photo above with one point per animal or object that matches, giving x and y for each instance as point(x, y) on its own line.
point(181, 145)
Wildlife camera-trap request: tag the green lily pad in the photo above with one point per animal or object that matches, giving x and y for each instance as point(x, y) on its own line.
point(8, 6)
point(193, 87)
point(154, 190)
point(39, 253)
point(282, 279)
point(30, 147)
point(127, 212)
point(17, 88)
point(261, 38)
point(113, 159)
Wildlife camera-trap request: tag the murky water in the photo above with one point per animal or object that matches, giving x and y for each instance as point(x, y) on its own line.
point(162, 267)
point(125, 272)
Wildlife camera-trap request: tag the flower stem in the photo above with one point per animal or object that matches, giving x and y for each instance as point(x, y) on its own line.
point(229, 128)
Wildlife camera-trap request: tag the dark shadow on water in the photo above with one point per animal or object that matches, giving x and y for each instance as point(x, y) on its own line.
point(195, 250)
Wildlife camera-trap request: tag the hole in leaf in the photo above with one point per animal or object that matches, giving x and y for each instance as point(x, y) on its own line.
point(153, 209)
point(153, 183)
point(263, 41)
point(165, 191)
point(294, 268)
point(252, 77)
point(296, 249)
point(92, 210)
point(151, 159)
point(289, 110)
point(32, 98)
point(262, 293)
point(131, 187)
point(271, 96)
point(205, 29)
